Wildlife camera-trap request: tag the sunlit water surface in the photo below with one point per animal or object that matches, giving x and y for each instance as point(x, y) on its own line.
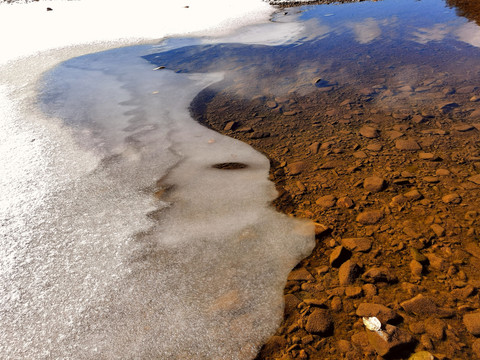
point(134, 245)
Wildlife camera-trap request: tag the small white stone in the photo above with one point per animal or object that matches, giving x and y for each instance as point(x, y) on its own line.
point(372, 323)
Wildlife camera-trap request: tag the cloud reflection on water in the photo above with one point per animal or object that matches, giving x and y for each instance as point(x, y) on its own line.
point(366, 31)
point(436, 33)
point(469, 33)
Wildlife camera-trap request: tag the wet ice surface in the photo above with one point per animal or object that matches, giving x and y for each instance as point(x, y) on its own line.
point(100, 268)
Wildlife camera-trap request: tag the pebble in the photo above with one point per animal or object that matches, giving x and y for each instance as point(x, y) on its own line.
point(344, 346)
point(394, 134)
point(338, 256)
point(327, 145)
point(369, 132)
point(417, 327)
point(434, 132)
point(448, 106)
point(348, 272)
point(431, 179)
point(374, 147)
point(301, 274)
point(407, 144)
point(360, 154)
point(463, 293)
point(416, 268)
point(327, 201)
point(353, 292)
point(421, 355)
point(413, 195)
point(321, 229)
point(438, 230)
point(231, 125)
point(399, 200)
point(394, 340)
point(405, 88)
point(424, 306)
point(319, 322)
point(369, 290)
point(322, 270)
point(245, 129)
point(314, 147)
point(475, 179)
point(418, 256)
point(291, 303)
point(427, 156)
point(379, 274)
point(476, 347)
point(435, 328)
point(383, 313)
point(472, 323)
point(453, 198)
point(463, 127)
point(336, 304)
point(374, 184)
point(369, 217)
point(357, 244)
point(436, 262)
point(297, 167)
point(360, 339)
point(442, 172)
point(418, 119)
point(345, 202)
point(271, 104)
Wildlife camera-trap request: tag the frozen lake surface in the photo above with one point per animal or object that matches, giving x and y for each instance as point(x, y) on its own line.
point(120, 236)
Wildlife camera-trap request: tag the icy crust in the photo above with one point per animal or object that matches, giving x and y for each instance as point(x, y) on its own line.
point(95, 265)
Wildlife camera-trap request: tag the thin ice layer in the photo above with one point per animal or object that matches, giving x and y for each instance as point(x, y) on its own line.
point(103, 269)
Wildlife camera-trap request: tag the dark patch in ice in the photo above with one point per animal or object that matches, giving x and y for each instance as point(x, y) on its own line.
point(230, 166)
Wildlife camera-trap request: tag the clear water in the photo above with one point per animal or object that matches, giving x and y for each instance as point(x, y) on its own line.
point(96, 266)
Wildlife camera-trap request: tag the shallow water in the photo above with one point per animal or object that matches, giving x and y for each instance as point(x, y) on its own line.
point(146, 248)
point(388, 46)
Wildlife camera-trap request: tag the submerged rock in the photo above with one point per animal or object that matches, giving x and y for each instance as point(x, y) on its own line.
point(369, 217)
point(424, 305)
point(369, 132)
point(319, 322)
point(472, 323)
point(348, 272)
point(357, 244)
point(407, 144)
point(374, 184)
point(383, 313)
point(391, 341)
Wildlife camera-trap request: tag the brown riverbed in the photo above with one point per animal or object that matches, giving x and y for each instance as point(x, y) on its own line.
point(396, 197)
point(394, 188)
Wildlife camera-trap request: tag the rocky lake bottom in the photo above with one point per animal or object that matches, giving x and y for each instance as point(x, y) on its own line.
point(378, 143)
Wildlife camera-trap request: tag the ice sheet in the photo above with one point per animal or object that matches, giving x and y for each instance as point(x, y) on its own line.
point(93, 265)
